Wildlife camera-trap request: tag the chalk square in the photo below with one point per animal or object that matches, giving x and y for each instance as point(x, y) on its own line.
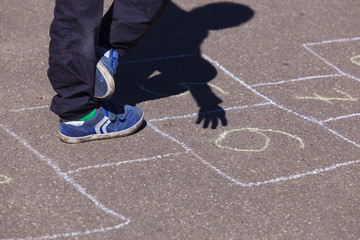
point(179, 86)
point(40, 129)
point(320, 98)
point(35, 202)
point(343, 54)
point(241, 150)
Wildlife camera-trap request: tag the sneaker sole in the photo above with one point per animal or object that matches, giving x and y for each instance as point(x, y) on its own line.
point(92, 137)
point(109, 80)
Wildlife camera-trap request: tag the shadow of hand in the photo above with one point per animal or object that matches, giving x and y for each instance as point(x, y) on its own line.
point(211, 115)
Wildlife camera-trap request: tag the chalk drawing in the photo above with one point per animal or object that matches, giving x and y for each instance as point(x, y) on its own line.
point(258, 131)
point(329, 99)
point(356, 60)
point(254, 130)
point(186, 85)
point(4, 179)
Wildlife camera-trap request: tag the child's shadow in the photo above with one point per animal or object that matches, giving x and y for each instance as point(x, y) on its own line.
point(143, 75)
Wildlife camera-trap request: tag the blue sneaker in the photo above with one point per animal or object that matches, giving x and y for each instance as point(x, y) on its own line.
point(111, 120)
point(105, 71)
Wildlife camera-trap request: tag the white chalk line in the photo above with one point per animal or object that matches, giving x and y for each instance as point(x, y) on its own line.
point(305, 45)
point(334, 41)
point(297, 80)
point(125, 162)
point(74, 234)
point(314, 172)
point(340, 117)
point(28, 108)
point(68, 179)
point(340, 136)
point(209, 112)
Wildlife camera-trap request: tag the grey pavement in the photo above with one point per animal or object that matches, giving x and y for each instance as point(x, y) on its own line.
point(252, 128)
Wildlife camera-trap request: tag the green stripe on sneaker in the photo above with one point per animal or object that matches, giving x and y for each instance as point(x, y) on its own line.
point(87, 117)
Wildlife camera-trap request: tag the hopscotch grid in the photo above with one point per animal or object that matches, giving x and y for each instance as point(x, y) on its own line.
point(189, 150)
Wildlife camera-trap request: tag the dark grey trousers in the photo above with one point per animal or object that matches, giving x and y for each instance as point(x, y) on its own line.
point(78, 26)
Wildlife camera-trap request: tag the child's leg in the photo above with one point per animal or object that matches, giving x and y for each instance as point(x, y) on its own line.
point(72, 58)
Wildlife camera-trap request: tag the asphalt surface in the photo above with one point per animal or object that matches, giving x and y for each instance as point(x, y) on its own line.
point(253, 115)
